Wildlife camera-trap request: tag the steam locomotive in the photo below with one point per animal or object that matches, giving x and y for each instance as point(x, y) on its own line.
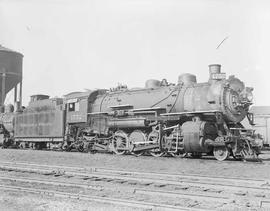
point(183, 119)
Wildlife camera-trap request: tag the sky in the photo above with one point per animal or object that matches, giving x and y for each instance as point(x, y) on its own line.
point(87, 44)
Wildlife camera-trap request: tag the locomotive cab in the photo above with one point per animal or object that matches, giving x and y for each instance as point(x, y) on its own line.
point(76, 107)
point(79, 105)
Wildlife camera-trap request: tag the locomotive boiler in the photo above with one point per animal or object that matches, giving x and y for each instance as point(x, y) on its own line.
point(182, 119)
point(230, 96)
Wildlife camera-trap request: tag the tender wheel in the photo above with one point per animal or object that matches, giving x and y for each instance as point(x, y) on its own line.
point(119, 141)
point(221, 153)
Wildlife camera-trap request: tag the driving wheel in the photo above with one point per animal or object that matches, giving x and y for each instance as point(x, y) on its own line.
point(119, 142)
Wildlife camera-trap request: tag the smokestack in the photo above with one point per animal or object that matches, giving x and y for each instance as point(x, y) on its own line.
point(214, 72)
point(214, 68)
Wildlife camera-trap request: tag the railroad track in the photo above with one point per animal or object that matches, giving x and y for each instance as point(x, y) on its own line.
point(104, 199)
point(230, 183)
point(182, 181)
point(124, 172)
point(100, 188)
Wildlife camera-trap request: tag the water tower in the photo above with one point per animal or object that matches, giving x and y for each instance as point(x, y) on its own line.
point(10, 74)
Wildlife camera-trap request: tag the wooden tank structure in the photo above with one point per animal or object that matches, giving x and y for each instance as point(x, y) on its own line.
point(10, 75)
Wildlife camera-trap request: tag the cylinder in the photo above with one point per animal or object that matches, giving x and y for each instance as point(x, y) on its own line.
point(194, 133)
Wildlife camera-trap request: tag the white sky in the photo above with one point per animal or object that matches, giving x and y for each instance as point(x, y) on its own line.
point(71, 45)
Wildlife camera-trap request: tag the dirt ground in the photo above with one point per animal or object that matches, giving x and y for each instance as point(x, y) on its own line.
point(204, 166)
point(21, 202)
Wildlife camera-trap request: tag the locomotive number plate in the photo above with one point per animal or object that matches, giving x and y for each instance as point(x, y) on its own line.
point(219, 76)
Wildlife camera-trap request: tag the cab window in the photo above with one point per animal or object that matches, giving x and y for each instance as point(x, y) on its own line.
point(73, 106)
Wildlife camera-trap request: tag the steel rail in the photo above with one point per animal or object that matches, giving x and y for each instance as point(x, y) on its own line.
point(150, 192)
point(44, 165)
point(184, 195)
point(104, 199)
point(173, 182)
point(257, 202)
point(176, 176)
point(50, 182)
point(192, 196)
point(141, 179)
point(188, 176)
